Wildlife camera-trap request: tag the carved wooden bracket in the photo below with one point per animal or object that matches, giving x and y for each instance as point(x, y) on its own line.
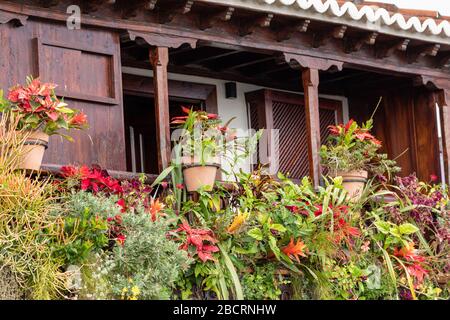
point(159, 40)
point(433, 83)
point(387, 50)
point(19, 19)
point(298, 62)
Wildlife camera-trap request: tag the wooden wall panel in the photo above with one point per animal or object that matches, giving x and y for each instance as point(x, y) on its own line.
point(406, 124)
point(86, 65)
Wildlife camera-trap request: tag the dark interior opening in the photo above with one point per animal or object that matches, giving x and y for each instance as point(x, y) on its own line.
point(140, 129)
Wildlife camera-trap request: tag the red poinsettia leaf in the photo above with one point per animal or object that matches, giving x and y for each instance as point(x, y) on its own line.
point(209, 248)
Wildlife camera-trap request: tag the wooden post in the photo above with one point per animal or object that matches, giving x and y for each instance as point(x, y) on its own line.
point(310, 78)
point(159, 59)
point(445, 129)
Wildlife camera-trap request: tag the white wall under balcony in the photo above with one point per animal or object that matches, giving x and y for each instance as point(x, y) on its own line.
point(228, 108)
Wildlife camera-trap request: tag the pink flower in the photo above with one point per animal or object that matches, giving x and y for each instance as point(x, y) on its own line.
point(180, 186)
point(434, 178)
point(365, 246)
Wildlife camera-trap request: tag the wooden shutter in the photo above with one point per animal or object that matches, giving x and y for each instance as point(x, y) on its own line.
point(85, 64)
point(286, 113)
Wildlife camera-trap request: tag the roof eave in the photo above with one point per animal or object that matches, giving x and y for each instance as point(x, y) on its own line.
point(378, 26)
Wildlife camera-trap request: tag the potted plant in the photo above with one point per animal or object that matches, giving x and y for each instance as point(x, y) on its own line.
point(352, 153)
point(201, 144)
point(41, 114)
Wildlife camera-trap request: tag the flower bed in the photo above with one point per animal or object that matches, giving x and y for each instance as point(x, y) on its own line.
point(87, 235)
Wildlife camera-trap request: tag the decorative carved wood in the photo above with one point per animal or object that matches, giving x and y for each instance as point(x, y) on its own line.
point(208, 21)
point(19, 19)
point(388, 49)
point(159, 59)
point(421, 51)
point(159, 40)
point(150, 4)
point(287, 32)
point(249, 27)
point(444, 102)
point(320, 38)
point(49, 3)
point(310, 78)
point(93, 5)
point(298, 61)
point(444, 62)
point(353, 45)
point(169, 13)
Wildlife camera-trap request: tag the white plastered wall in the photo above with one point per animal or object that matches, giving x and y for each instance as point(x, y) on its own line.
point(229, 108)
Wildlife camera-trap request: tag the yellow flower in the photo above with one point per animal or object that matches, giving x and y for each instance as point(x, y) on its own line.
point(124, 290)
point(237, 222)
point(135, 290)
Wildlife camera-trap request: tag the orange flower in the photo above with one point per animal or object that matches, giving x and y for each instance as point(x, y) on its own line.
point(237, 222)
point(295, 250)
point(79, 119)
point(155, 208)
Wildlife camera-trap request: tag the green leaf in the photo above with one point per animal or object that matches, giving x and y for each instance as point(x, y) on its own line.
point(383, 226)
point(278, 227)
point(256, 233)
point(408, 228)
point(234, 277)
point(162, 175)
point(274, 247)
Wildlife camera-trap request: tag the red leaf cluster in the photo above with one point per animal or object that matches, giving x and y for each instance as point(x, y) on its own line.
point(203, 240)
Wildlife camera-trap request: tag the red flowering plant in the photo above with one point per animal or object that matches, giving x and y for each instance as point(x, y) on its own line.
point(38, 108)
point(200, 242)
point(352, 147)
point(202, 137)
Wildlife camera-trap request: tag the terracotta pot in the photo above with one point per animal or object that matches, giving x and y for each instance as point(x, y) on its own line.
point(354, 182)
point(33, 151)
point(197, 175)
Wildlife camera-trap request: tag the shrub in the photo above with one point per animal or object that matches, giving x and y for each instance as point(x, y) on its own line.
point(144, 265)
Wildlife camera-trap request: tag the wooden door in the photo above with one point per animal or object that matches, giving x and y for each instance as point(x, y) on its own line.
point(85, 64)
point(287, 146)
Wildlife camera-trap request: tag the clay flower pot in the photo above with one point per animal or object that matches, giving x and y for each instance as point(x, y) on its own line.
point(33, 151)
point(197, 175)
point(353, 182)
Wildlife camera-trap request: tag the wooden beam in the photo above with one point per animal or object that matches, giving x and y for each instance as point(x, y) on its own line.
point(251, 25)
point(319, 39)
point(167, 14)
point(421, 51)
point(287, 32)
point(159, 59)
point(353, 45)
point(297, 61)
point(386, 50)
point(160, 40)
point(18, 19)
point(310, 78)
point(206, 22)
point(443, 100)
